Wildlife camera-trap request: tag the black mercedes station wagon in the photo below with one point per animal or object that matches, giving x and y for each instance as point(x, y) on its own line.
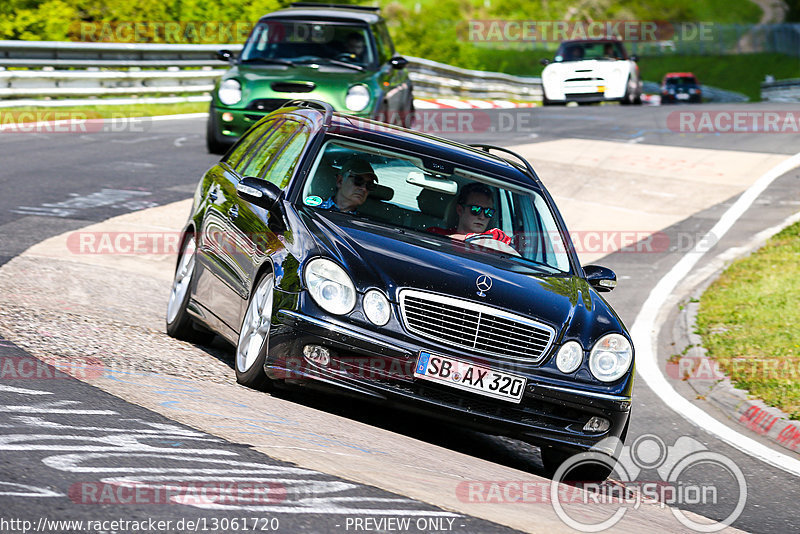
point(363, 258)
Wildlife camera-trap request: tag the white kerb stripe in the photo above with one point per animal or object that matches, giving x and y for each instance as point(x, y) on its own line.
point(645, 335)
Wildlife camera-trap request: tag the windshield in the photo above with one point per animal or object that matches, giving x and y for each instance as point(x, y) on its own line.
point(459, 205)
point(290, 42)
point(593, 50)
point(682, 80)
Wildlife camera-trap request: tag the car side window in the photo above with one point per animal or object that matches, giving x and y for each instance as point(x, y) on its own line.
point(250, 138)
point(384, 41)
point(255, 162)
point(280, 170)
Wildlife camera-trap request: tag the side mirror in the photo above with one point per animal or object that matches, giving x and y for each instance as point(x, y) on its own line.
point(398, 62)
point(259, 192)
point(602, 279)
point(544, 62)
point(634, 57)
point(224, 55)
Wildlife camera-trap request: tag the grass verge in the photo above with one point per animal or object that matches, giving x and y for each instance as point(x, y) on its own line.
point(748, 321)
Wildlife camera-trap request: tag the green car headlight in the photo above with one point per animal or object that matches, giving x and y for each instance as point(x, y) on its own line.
point(230, 92)
point(357, 98)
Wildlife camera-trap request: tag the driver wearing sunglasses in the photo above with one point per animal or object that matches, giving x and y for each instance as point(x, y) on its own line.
point(353, 186)
point(475, 207)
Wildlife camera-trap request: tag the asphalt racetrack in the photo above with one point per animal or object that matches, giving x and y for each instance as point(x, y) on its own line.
point(152, 429)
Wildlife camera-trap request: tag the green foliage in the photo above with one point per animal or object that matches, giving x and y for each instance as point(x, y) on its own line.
point(113, 20)
point(36, 20)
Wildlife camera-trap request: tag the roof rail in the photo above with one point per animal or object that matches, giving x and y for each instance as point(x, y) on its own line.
point(312, 104)
point(487, 148)
point(374, 9)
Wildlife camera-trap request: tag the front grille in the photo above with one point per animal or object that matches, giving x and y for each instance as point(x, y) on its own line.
point(293, 87)
point(477, 327)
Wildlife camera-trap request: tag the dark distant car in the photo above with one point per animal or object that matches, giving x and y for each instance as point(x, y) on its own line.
point(591, 70)
point(342, 55)
point(680, 87)
point(508, 337)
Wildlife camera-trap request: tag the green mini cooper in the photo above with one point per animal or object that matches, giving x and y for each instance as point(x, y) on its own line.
point(339, 54)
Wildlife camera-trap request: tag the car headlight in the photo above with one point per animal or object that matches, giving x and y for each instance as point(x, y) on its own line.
point(376, 307)
point(357, 98)
point(330, 286)
point(569, 357)
point(230, 92)
point(611, 357)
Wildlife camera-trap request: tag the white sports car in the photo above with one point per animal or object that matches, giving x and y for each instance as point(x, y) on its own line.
point(591, 71)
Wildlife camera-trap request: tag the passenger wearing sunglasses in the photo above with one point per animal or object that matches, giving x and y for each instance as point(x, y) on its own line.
point(353, 186)
point(475, 207)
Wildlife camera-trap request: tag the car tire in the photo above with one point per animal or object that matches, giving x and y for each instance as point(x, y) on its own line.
point(213, 145)
point(253, 343)
point(180, 324)
point(630, 98)
point(546, 101)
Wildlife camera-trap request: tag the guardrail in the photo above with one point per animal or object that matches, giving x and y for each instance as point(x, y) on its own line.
point(67, 54)
point(781, 90)
point(193, 69)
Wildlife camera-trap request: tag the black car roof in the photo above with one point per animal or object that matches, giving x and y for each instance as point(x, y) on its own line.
point(324, 13)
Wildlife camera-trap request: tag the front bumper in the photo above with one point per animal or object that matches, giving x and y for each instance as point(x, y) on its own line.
point(380, 368)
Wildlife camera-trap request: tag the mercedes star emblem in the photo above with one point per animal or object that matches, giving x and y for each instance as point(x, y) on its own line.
point(484, 284)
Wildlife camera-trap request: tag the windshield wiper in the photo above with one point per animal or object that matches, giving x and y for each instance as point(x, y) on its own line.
point(269, 60)
point(333, 62)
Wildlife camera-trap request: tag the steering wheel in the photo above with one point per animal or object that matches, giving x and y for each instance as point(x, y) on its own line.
point(345, 56)
point(486, 241)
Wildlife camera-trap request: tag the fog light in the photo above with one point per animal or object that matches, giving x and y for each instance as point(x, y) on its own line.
point(318, 355)
point(227, 116)
point(597, 424)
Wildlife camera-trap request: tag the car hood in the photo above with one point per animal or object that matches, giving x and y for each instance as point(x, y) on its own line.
point(330, 83)
point(568, 69)
point(391, 259)
point(325, 75)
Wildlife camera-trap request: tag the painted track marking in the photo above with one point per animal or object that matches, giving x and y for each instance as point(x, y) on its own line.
point(645, 334)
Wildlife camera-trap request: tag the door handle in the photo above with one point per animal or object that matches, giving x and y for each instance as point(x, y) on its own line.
point(233, 212)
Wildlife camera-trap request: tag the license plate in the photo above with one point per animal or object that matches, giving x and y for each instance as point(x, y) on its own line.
point(470, 377)
point(682, 96)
